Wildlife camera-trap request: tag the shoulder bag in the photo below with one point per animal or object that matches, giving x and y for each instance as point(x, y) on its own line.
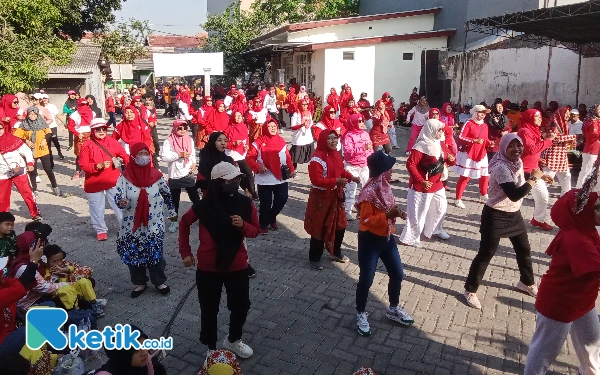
point(117, 161)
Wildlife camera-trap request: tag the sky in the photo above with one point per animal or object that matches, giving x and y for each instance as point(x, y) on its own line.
point(185, 15)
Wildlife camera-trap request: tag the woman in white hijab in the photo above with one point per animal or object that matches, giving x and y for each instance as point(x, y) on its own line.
point(426, 203)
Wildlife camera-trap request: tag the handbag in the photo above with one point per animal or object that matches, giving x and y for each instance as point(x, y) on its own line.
point(117, 161)
point(286, 174)
point(435, 168)
point(182, 183)
point(12, 173)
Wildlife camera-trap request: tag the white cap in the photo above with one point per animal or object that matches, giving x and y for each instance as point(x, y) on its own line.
point(45, 96)
point(479, 108)
point(37, 95)
point(98, 122)
point(225, 170)
point(574, 112)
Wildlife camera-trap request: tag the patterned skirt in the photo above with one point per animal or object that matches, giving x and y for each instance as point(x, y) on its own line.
point(324, 215)
point(79, 143)
point(255, 132)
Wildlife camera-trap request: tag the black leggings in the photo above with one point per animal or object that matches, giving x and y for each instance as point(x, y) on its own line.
point(247, 183)
point(487, 250)
point(55, 142)
point(316, 246)
point(47, 165)
point(192, 193)
point(71, 139)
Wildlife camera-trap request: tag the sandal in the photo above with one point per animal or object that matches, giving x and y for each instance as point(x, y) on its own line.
point(136, 293)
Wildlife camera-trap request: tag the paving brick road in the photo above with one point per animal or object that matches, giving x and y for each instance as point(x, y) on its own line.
point(303, 321)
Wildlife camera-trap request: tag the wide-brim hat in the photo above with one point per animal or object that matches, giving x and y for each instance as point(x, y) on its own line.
point(379, 162)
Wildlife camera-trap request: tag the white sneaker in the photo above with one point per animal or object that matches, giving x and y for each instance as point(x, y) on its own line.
point(442, 235)
point(407, 153)
point(472, 300)
point(484, 198)
point(459, 203)
point(363, 324)
point(173, 227)
point(531, 290)
point(349, 217)
point(397, 314)
point(38, 179)
point(239, 348)
point(102, 302)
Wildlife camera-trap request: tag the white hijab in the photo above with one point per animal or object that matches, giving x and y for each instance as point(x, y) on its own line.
point(427, 142)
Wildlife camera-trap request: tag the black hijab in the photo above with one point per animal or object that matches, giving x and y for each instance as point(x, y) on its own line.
point(119, 361)
point(214, 212)
point(495, 119)
point(197, 104)
point(209, 157)
point(71, 103)
point(94, 107)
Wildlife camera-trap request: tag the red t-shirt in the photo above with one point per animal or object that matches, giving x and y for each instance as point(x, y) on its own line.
point(570, 287)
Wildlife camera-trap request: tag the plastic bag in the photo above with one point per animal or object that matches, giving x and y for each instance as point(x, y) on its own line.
point(70, 364)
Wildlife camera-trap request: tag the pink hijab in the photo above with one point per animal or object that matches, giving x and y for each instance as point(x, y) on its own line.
point(180, 143)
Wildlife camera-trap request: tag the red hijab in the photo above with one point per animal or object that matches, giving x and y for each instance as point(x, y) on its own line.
point(130, 131)
point(435, 110)
point(236, 131)
point(218, 120)
point(7, 110)
point(527, 122)
point(180, 143)
point(239, 104)
point(335, 165)
point(346, 97)
point(24, 241)
point(206, 107)
point(184, 96)
point(8, 142)
point(141, 177)
point(559, 119)
point(329, 123)
point(84, 110)
point(258, 104)
point(270, 146)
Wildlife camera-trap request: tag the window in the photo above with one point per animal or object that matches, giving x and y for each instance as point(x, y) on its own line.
point(348, 55)
point(408, 56)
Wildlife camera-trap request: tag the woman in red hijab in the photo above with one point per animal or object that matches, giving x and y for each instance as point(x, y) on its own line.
point(217, 119)
point(256, 117)
point(379, 131)
point(201, 121)
point(238, 144)
point(292, 102)
point(386, 98)
point(271, 161)
point(239, 103)
point(333, 99)
point(325, 220)
point(329, 122)
point(10, 112)
point(348, 110)
point(554, 161)
point(566, 300)
point(346, 97)
point(142, 194)
point(132, 130)
point(79, 125)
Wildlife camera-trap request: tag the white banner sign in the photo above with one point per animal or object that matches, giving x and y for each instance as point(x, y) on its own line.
point(187, 64)
point(121, 71)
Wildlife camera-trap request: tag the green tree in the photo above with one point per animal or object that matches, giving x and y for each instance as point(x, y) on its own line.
point(124, 42)
point(231, 31)
point(81, 16)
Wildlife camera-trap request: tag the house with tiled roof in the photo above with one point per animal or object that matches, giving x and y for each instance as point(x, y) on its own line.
point(176, 43)
point(83, 74)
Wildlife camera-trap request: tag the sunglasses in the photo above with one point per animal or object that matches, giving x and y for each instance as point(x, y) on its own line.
point(138, 101)
point(182, 127)
point(361, 121)
point(332, 112)
point(103, 129)
point(332, 138)
point(387, 97)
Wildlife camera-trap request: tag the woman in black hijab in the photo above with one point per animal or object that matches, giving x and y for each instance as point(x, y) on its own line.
point(94, 105)
point(212, 154)
point(131, 361)
point(497, 123)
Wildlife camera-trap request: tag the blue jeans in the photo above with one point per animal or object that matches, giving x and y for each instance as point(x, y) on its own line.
point(371, 247)
point(272, 200)
point(13, 343)
point(112, 119)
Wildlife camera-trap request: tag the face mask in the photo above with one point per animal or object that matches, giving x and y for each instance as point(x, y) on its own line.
point(231, 188)
point(142, 161)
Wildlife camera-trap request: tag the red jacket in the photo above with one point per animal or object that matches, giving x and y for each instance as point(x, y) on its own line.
point(591, 132)
point(471, 131)
point(91, 155)
point(417, 164)
point(533, 145)
point(11, 290)
point(206, 255)
point(110, 104)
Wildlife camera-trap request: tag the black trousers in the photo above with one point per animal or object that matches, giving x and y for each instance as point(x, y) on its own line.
point(55, 142)
point(210, 285)
point(487, 250)
point(247, 183)
point(157, 273)
point(317, 246)
point(154, 134)
point(71, 139)
point(194, 133)
point(47, 165)
point(192, 193)
point(281, 121)
point(272, 200)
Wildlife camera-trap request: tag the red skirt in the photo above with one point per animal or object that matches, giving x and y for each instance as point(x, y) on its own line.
point(324, 215)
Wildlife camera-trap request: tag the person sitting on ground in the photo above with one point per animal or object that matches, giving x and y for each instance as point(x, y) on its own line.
point(8, 239)
point(131, 361)
point(377, 213)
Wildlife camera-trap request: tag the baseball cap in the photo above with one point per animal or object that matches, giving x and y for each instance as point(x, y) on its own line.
point(225, 170)
point(574, 112)
point(98, 123)
point(45, 96)
point(71, 92)
point(479, 108)
point(37, 95)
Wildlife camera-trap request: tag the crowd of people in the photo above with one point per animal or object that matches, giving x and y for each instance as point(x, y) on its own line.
point(226, 151)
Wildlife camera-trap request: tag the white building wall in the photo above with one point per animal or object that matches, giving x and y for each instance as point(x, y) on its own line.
point(520, 74)
point(397, 26)
point(358, 73)
point(318, 66)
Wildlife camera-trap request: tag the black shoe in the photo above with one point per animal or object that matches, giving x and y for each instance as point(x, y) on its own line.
point(137, 293)
point(163, 291)
point(251, 271)
point(61, 157)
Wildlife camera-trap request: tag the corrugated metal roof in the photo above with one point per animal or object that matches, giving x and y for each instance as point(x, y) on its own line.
point(84, 61)
point(143, 64)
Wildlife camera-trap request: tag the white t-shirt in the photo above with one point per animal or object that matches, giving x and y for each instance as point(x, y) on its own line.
point(270, 103)
point(302, 136)
point(576, 128)
point(53, 111)
point(268, 178)
point(178, 168)
point(228, 100)
point(261, 117)
point(184, 112)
